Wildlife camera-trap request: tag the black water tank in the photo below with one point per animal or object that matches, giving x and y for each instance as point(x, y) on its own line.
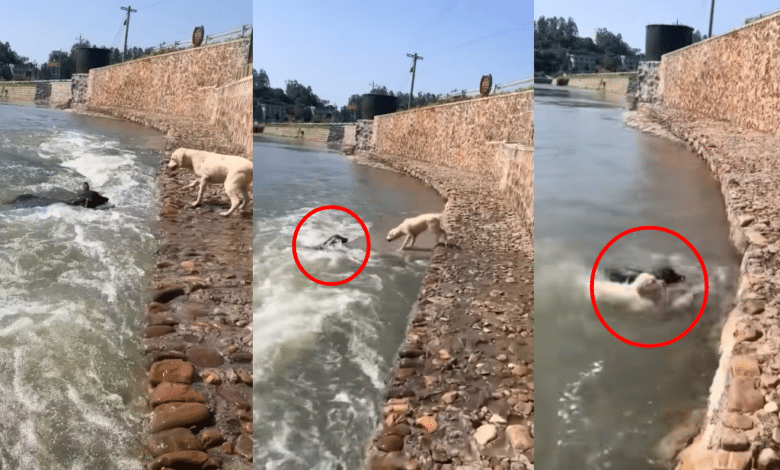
point(374, 105)
point(91, 58)
point(663, 38)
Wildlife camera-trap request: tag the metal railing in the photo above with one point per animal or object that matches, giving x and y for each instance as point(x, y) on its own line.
point(496, 88)
point(242, 32)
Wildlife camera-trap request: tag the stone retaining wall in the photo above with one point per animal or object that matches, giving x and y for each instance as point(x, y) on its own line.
point(313, 132)
point(492, 136)
point(50, 91)
point(196, 83)
point(514, 167)
point(177, 83)
point(350, 136)
point(732, 77)
point(78, 89)
point(232, 115)
point(648, 82)
point(17, 92)
point(60, 92)
point(610, 82)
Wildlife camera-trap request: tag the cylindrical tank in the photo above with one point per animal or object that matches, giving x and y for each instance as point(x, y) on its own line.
point(663, 38)
point(91, 58)
point(374, 105)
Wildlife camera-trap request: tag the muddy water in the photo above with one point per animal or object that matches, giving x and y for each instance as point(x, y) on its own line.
point(321, 354)
point(72, 281)
point(609, 402)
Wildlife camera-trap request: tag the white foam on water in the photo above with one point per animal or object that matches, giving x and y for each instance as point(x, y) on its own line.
point(71, 280)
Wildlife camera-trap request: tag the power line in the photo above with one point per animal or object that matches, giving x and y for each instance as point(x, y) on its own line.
point(127, 28)
point(414, 70)
point(712, 12)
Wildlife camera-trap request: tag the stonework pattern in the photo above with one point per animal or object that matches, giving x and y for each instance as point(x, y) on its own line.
point(177, 83)
point(492, 136)
point(648, 89)
point(232, 112)
point(732, 77)
point(18, 93)
point(60, 92)
point(612, 82)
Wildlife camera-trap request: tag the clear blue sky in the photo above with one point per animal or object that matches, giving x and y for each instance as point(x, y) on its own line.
point(339, 47)
point(630, 17)
point(34, 29)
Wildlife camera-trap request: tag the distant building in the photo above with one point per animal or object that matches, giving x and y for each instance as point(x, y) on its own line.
point(630, 62)
point(265, 111)
point(582, 61)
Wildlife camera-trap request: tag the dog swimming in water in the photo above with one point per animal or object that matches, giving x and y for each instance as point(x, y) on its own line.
point(334, 240)
point(628, 275)
point(643, 290)
point(86, 198)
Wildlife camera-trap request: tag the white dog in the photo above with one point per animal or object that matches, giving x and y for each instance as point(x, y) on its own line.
point(646, 293)
point(415, 226)
point(210, 167)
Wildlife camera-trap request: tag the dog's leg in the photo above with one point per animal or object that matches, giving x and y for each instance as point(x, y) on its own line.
point(232, 193)
point(406, 240)
point(200, 192)
point(194, 182)
point(244, 197)
point(440, 233)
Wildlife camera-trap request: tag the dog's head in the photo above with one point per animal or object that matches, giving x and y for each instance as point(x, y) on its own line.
point(177, 157)
point(393, 234)
point(668, 275)
point(649, 286)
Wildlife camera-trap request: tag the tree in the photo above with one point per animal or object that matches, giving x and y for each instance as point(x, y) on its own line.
point(260, 79)
point(5, 72)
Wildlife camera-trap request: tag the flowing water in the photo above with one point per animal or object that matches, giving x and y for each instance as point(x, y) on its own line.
point(322, 353)
point(72, 282)
point(609, 402)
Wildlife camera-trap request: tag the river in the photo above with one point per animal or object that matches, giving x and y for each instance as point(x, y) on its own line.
point(322, 353)
point(609, 403)
point(72, 286)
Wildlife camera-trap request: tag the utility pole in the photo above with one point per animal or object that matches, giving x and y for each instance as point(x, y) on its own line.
point(373, 85)
point(712, 12)
point(127, 27)
point(414, 71)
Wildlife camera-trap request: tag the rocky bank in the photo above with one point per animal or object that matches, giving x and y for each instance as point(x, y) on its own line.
point(741, 426)
point(461, 393)
point(198, 333)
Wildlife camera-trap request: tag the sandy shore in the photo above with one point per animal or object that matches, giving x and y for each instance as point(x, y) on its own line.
point(198, 334)
point(741, 427)
point(461, 394)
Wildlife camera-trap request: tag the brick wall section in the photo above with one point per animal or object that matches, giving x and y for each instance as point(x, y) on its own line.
point(232, 114)
point(18, 92)
point(78, 89)
point(60, 92)
point(514, 167)
point(648, 82)
point(470, 135)
point(177, 83)
point(314, 132)
point(612, 82)
point(733, 77)
point(349, 136)
point(457, 134)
